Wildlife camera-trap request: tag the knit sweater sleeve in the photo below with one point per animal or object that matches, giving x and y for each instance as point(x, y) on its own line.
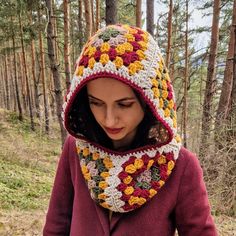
point(58, 218)
point(193, 215)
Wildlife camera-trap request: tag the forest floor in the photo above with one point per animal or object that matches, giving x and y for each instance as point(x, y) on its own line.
point(27, 167)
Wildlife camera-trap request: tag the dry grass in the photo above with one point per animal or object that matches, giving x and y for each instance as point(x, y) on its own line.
point(226, 225)
point(21, 223)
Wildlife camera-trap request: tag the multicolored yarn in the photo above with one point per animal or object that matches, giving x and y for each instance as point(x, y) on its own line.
point(124, 181)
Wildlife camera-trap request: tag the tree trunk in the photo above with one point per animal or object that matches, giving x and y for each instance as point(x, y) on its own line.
point(36, 91)
point(73, 46)
point(35, 83)
point(111, 12)
point(55, 30)
point(88, 18)
point(232, 110)
point(92, 16)
point(3, 87)
point(66, 42)
point(43, 75)
point(224, 102)
point(7, 83)
point(98, 13)
point(54, 67)
point(211, 81)
point(150, 16)
point(169, 37)
point(186, 75)
point(226, 145)
point(2, 105)
point(12, 89)
point(22, 81)
point(15, 79)
point(80, 26)
point(172, 63)
point(26, 74)
point(32, 94)
point(52, 97)
point(139, 13)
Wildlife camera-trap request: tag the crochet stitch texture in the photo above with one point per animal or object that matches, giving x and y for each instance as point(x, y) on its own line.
point(123, 182)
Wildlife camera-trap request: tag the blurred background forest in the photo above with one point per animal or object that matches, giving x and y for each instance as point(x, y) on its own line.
point(40, 42)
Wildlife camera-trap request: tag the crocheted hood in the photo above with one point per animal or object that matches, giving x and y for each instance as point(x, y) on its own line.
point(124, 181)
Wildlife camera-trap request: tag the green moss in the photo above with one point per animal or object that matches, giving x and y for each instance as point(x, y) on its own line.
point(27, 163)
point(23, 187)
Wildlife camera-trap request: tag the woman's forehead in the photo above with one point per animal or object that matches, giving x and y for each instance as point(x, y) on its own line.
point(104, 87)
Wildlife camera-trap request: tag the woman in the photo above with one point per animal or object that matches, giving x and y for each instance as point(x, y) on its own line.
point(123, 170)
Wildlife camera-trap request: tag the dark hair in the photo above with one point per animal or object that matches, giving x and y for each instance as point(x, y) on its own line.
point(82, 121)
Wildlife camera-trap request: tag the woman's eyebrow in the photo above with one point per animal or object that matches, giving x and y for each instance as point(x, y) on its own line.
point(126, 99)
point(119, 100)
point(90, 96)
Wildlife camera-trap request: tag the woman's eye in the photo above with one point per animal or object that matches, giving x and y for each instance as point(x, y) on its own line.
point(95, 103)
point(125, 105)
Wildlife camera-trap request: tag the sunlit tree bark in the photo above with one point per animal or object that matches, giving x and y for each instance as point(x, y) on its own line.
point(88, 18)
point(54, 67)
point(98, 13)
point(139, 13)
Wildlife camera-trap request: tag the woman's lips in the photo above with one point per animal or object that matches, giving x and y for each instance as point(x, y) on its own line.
point(113, 130)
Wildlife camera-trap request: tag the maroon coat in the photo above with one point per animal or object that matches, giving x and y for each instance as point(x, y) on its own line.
point(182, 203)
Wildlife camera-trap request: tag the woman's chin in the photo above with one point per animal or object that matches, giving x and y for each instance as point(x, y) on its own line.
point(115, 137)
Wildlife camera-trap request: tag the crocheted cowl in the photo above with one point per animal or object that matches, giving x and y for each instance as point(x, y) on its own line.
point(124, 181)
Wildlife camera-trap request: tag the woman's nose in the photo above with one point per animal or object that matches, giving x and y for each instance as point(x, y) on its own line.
point(110, 118)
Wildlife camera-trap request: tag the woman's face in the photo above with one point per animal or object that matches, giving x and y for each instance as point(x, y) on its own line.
point(115, 108)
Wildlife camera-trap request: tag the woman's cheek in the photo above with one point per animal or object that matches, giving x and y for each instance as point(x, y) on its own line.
point(98, 113)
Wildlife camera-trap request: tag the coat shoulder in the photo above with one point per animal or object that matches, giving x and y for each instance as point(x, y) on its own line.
point(188, 164)
point(70, 139)
point(187, 158)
